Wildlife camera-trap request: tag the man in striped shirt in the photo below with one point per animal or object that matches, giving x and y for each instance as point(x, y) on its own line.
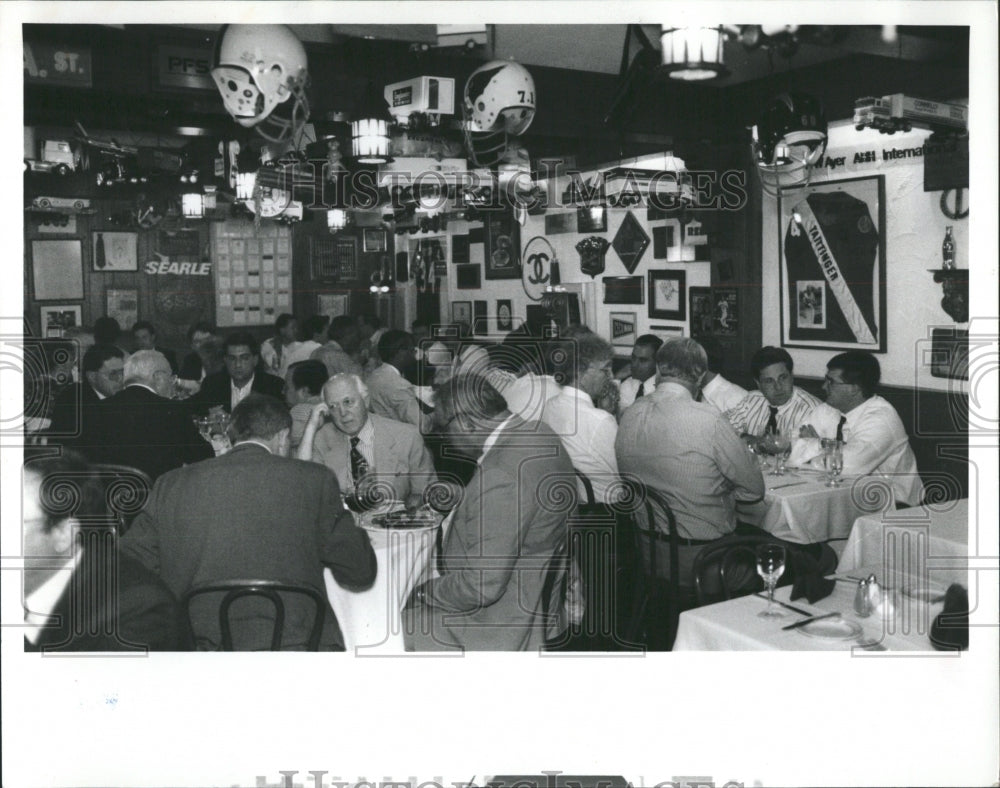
point(778, 405)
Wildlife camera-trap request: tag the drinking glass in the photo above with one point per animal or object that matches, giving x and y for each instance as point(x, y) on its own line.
point(771, 566)
point(204, 426)
point(779, 445)
point(833, 460)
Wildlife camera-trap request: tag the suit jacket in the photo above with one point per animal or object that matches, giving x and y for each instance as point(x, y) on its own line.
point(139, 428)
point(249, 514)
point(401, 458)
point(72, 411)
point(392, 395)
point(143, 614)
point(215, 390)
point(505, 536)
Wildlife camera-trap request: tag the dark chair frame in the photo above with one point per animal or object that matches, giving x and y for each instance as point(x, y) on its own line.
point(119, 473)
point(656, 600)
point(266, 589)
point(721, 558)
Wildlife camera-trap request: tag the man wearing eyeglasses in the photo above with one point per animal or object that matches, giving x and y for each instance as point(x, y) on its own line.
point(227, 388)
point(141, 426)
point(875, 441)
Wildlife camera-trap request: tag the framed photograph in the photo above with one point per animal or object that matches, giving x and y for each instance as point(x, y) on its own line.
point(505, 315)
point(57, 270)
point(480, 320)
point(667, 296)
point(592, 220)
point(667, 332)
point(123, 306)
point(623, 329)
point(374, 239)
point(114, 252)
point(503, 246)
point(469, 276)
point(725, 311)
point(832, 241)
point(623, 290)
point(57, 318)
point(461, 312)
point(332, 304)
point(702, 309)
point(556, 223)
point(630, 242)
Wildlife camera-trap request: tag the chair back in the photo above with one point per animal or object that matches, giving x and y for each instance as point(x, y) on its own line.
point(728, 569)
point(126, 490)
point(269, 590)
point(658, 515)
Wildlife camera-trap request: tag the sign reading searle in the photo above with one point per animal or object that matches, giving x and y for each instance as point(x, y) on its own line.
point(167, 267)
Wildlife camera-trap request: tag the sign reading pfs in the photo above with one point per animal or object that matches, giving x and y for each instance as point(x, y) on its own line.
point(55, 64)
point(184, 67)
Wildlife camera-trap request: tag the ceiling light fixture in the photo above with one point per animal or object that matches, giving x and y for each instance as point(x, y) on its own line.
point(693, 53)
point(336, 219)
point(193, 206)
point(370, 130)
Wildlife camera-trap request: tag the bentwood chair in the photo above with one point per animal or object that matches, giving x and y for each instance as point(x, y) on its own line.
point(728, 569)
point(126, 490)
point(657, 601)
point(267, 590)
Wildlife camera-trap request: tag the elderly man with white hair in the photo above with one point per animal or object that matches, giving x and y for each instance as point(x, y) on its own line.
point(363, 449)
point(141, 426)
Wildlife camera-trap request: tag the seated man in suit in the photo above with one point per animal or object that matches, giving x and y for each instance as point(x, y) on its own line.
point(503, 561)
point(73, 408)
point(141, 426)
point(687, 451)
point(389, 388)
point(144, 336)
point(875, 440)
point(242, 375)
point(252, 513)
point(366, 451)
point(192, 369)
point(79, 594)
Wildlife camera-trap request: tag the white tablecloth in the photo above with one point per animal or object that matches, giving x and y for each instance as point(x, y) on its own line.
point(370, 620)
point(735, 625)
point(930, 542)
point(800, 508)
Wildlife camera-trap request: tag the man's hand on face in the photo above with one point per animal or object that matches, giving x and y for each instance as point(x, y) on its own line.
point(319, 414)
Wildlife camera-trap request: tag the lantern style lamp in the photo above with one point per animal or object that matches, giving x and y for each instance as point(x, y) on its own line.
point(193, 205)
point(336, 219)
point(693, 53)
point(370, 130)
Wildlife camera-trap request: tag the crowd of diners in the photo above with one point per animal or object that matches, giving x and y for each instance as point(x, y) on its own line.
point(347, 411)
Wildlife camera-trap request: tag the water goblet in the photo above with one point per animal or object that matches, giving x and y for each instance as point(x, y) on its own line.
point(770, 566)
point(833, 460)
point(779, 446)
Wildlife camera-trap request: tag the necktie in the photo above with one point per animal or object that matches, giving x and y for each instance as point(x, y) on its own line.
point(840, 428)
point(359, 465)
point(772, 421)
point(641, 391)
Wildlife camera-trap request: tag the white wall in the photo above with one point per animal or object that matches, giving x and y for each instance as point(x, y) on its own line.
point(915, 228)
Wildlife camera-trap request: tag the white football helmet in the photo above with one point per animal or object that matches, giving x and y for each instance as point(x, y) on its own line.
point(500, 96)
point(257, 68)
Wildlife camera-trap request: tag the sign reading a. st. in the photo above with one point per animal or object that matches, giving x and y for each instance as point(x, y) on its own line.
point(57, 64)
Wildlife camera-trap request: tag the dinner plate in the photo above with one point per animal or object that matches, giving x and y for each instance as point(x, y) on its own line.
point(831, 629)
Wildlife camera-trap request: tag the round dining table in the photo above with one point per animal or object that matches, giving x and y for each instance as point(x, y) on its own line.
point(371, 620)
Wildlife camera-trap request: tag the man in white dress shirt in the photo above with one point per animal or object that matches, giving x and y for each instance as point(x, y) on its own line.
point(875, 441)
point(587, 432)
point(642, 375)
point(715, 389)
point(778, 405)
point(389, 388)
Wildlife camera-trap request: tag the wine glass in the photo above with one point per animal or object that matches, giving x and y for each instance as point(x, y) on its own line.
point(204, 425)
point(780, 446)
point(770, 566)
point(833, 460)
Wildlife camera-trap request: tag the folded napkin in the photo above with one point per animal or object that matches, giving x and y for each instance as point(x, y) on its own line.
point(808, 577)
point(950, 630)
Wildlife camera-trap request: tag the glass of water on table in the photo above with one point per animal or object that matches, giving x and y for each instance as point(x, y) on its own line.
point(833, 460)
